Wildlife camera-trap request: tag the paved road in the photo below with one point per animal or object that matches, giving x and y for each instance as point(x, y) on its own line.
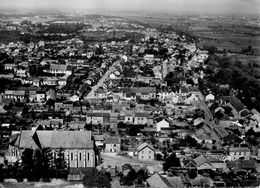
point(101, 81)
point(208, 115)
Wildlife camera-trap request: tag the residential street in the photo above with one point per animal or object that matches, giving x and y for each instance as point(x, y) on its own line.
point(101, 81)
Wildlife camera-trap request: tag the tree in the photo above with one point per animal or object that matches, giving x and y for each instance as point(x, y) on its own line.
point(95, 178)
point(192, 173)
point(158, 157)
point(60, 162)
point(129, 178)
point(46, 163)
point(141, 176)
point(171, 161)
point(1, 173)
point(27, 163)
point(189, 141)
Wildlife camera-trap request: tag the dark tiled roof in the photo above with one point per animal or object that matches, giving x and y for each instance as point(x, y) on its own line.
point(98, 114)
point(235, 102)
point(139, 90)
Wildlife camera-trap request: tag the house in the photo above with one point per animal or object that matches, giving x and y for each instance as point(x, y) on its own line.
point(129, 117)
point(74, 98)
point(234, 103)
point(10, 66)
point(202, 163)
point(77, 145)
point(161, 181)
point(100, 94)
point(144, 93)
point(62, 81)
point(58, 106)
point(59, 69)
point(198, 121)
point(140, 118)
point(190, 164)
point(145, 152)
point(14, 94)
point(112, 144)
point(149, 58)
point(99, 140)
point(98, 118)
point(21, 73)
point(77, 125)
point(162, 124)
point(40, 96)
point(210, 97)
point(236, 153)
point(217, 164)
point(50, 81)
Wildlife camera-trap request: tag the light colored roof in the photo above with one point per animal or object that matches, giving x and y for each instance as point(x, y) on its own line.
point(239, 149)
point(56, 139)
point(256, 117)
point(20, 93)
point(76, 125)
point(159, 181)
point(58, 67)
point(9, 92)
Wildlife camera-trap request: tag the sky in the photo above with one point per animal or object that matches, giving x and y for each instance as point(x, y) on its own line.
point(193, 6)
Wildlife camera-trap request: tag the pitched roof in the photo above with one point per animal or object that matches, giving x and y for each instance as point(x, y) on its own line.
point(112, 140)
point(144, 145)
point(201, 160)
point(235, 102)
point(239, 149)
point(141, 114)
point(76, 124)
point(98, 114)
point(61, 67)
point(139, 90)
point(56, 139)
point(158, 180)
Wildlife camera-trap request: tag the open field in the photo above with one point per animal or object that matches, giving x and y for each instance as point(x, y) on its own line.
point(111, 159)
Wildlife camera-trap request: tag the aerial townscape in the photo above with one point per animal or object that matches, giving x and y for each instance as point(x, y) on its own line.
point(129, 100)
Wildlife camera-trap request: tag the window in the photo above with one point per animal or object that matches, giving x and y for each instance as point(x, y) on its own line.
point(142, 157)
point(71, 156)
point(128, 118)
point(149, 157)
point(142, 151)
point(149, 152)
point(80, 156)
point(88, 156)
point(114, 145)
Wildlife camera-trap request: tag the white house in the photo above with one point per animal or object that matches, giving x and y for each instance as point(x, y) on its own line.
point(40, 96)
point(113, 145)
point(145, 152)
point(74, 98)
point(162, 124)
point(236, 153)
point(210, 97)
